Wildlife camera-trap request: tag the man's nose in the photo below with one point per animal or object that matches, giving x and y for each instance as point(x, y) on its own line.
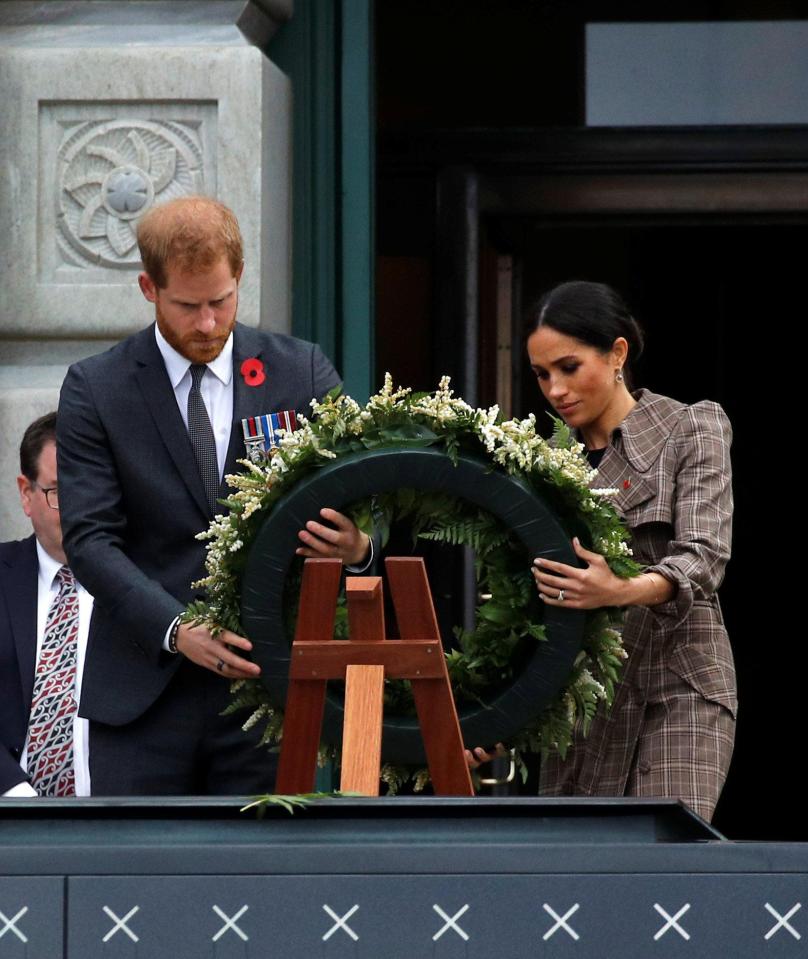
point(207, 318)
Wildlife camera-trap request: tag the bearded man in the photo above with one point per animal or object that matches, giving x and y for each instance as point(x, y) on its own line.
point(146, 433)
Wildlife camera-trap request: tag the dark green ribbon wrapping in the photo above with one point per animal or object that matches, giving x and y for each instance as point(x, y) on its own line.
point(350, 478)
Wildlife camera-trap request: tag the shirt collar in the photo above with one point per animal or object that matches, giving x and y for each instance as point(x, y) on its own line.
point(48, 566)
point(178, 365)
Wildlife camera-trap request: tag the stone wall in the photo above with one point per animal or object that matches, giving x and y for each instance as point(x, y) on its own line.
point(109, 108)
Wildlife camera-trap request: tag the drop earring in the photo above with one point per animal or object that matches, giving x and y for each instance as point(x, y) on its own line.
point(619, 376)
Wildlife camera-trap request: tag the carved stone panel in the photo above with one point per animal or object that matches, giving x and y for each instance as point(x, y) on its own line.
point(103, 167)
point(94, 136)
point(109, 108)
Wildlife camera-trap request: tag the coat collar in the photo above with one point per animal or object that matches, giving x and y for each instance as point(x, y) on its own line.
point(158, 396)
point(628, 459)
point(647, 427)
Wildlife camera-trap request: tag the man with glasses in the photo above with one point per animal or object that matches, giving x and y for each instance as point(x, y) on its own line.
point(44, 621)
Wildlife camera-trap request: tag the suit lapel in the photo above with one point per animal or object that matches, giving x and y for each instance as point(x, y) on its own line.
point(648, 427)
point(159, 398)
point(247, 400)
point(19, 582)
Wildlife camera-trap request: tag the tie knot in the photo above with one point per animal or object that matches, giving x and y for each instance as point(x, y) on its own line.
point(65, 577)
point(197, 372)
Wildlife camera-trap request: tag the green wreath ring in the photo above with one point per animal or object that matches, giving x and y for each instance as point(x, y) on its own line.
point(526, 673)
point(521, 509)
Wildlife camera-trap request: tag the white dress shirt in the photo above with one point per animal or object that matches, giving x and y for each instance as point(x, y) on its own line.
point(47, 590)
point(216, 389)
point(217, 394)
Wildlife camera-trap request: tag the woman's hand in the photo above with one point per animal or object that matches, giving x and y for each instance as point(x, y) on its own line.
point(588, 588)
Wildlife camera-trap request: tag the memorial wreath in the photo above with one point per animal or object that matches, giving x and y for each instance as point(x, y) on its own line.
point(454, 475)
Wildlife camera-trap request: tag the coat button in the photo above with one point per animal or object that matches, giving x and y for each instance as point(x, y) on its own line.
point(644, 767)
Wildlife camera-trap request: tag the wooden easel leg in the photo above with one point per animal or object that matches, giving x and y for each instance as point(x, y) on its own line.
point(437, 714)
point(305, 701)
point(443, 742)
point(365, 608)
point(302, 725)
point(362, 730)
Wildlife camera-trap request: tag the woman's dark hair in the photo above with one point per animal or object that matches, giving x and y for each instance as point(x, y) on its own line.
point(593, 313)
point(40, 432)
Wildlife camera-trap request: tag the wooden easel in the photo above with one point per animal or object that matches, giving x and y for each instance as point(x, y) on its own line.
point(363, 661)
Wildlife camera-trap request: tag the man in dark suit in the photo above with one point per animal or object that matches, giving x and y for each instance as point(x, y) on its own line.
point(41, 757)
point(147, 431)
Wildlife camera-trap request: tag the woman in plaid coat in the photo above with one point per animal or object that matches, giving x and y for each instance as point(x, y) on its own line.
point(671, 729)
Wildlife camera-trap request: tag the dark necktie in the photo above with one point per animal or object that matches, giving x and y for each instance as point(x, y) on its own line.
point(202, 438)
point(53, 707)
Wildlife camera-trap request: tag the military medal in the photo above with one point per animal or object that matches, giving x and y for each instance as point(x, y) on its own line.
point(262, 433)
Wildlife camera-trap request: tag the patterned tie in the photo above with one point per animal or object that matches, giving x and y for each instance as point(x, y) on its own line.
point(53, 709)
point(202, 439)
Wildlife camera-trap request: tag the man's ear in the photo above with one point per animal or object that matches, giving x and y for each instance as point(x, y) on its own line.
point(24, 486)
point(239, 272)
point(147, 287)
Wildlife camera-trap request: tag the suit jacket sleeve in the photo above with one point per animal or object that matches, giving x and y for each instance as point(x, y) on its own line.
point(697, 554)
point(94, 522)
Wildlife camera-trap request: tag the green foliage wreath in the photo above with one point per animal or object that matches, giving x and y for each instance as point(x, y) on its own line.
point(509, 614)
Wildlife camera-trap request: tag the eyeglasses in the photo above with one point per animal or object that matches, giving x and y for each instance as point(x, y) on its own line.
point(51, 495)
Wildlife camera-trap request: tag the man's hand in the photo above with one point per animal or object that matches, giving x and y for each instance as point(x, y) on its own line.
point(345, 542)
point(477, 756)
point(215, 653)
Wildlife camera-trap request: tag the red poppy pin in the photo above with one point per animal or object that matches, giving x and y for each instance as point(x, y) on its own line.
point(253, 372)
point(626, 483)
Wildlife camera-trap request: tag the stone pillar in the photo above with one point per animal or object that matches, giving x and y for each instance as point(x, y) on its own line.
point(109, 108)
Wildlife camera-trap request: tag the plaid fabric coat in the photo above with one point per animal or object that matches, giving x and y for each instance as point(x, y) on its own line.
point(671, 729)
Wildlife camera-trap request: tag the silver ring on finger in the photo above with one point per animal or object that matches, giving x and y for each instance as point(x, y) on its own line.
point(560, 596)
point(220, 665)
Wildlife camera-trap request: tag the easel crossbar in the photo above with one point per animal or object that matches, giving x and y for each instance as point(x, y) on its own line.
point(402, 659)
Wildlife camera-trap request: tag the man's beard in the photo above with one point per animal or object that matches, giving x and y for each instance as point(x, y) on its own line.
point(193, 346)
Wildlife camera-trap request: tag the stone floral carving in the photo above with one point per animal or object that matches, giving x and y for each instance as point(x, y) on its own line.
point(110, 173)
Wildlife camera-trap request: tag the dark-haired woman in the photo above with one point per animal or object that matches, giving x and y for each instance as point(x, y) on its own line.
point(671, 729)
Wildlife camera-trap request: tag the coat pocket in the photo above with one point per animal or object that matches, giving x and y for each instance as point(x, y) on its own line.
point(702, 657)
point(657, 508)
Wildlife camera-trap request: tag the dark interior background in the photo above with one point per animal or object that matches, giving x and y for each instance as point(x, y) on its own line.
point(719, 297)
